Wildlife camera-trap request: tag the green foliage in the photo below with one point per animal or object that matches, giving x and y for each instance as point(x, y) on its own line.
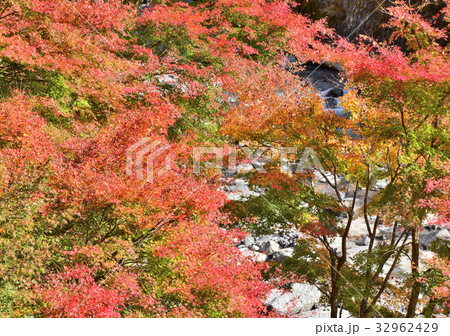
point(441, 248)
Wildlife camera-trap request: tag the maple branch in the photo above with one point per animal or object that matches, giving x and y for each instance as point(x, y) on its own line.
point(373, 235)
point(334, 186)
point(108, 234)
point(152, 231)
point(343, 258)
point(366, 196)
point(388, 275)
point(394, 230)
point(386, 257)
point(402, 115)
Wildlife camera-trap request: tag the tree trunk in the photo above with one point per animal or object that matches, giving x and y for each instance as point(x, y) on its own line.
point(415, 273)
point(334, 295)
point(334, 299)
point(363, 309)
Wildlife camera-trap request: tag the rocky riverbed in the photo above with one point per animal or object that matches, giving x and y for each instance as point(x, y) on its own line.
point(304, 300)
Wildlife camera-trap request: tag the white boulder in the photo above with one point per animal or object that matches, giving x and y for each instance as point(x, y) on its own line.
point(443, 234)
point(270, 247)
point(301, 297)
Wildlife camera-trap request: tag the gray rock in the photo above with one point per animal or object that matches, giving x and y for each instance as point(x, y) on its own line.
point(264, 239)
point(343, 113)
point(402, 269)
point(331, 103)
point(336, 244)
point(244, 168)
point(230, 172)
point(301, 297)
point(168, 79)
point(322, 312)
point(283, 254)
point(287, 168)
point(426, 239)
point(322, 85)
point(383, 235)
point(258, 165)
point(364, 241)
point(255, 248)
point(358, 228)
point(443, 234)
point(249, 241)
point(352, 250)
point(261, 257)
point(270, 247)
point(287, 240)
point(239, 185)
point(255, 256)
point(358, 204)
point(232, 98)
point(336, 92)
point(284, 242)
point(381, 184)
point(239, 190)
point(322, 179)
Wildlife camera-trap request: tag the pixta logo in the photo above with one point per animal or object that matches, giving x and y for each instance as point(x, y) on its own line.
point(144, 154)
point(308, 161)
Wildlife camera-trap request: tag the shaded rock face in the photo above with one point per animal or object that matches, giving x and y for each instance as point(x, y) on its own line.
point(348, 17)
point(430, 234)
point(351, 18)
point(323, 78)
